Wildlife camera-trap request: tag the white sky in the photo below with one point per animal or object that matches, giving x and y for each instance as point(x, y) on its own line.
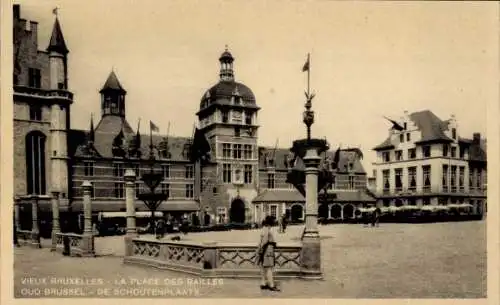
point(368, 59)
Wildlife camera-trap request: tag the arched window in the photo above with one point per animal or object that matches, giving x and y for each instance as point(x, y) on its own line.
point(35, 163)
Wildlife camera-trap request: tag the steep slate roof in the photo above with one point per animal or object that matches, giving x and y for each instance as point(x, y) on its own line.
point(431, 127)
point(57, 43)
point(387, 144)
point(346, 156)
point(222, 92)
point(176, 146)
point(112, 83)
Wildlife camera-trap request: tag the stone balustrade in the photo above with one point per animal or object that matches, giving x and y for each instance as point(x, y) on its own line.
point(24, 237)
point(76, 244)
point(211, 259)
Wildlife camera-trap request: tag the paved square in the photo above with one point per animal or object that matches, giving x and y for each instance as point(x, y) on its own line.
point(443, 260)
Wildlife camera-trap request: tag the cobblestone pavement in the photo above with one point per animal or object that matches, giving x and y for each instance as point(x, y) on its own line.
point(444, 260)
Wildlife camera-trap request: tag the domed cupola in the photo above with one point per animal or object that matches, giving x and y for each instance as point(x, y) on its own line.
point(227, 91)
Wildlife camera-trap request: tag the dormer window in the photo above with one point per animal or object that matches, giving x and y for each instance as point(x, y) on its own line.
point(454, 133)
point(404, 125)
point(237, 100)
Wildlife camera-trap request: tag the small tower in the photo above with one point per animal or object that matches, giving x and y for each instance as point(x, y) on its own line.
point(226, 66)
point(59, 121)
point(113, 97)
point(58, 53)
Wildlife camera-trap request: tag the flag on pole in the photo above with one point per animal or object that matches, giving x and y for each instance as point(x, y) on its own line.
point(306, 65)
point(395, 125)
point(153, 127)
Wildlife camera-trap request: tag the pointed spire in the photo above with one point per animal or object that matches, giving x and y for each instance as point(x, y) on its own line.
point(138, 135)
point(112, 83)
point(57, 43)
point(91, 132)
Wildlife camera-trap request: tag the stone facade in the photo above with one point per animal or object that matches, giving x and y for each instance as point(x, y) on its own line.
point(235, 173)
point(425, 161)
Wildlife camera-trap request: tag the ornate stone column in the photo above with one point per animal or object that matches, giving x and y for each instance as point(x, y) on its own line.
point(311, 244)
point(35, 231)
point(55, 219)
point(130, 206)
point(130, 201)
point(87, 245)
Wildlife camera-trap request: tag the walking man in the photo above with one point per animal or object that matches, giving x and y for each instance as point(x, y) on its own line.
point(265, 255)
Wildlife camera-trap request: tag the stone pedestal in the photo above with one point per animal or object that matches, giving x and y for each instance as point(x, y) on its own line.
point(87, 245)
point(209, 258)
point(311, 244)
point(55, 219)
point(130, 202)
point(35, 231)
point(129, 245)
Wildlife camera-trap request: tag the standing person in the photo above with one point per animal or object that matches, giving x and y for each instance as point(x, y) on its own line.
point(280, 225)
point(377, 213)
point(265, 255)
point(284, 222)
point(160, 228)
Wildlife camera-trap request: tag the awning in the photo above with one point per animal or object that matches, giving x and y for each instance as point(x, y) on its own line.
point(434, 208)
point(124, 214)
point(119, 206)
point(460, 206)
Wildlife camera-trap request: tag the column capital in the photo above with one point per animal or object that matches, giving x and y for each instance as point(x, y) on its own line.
point(129, 175)
point(55, 194)
point(86, 185)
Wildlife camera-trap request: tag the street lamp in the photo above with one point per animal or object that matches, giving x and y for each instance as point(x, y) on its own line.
point(152, 179)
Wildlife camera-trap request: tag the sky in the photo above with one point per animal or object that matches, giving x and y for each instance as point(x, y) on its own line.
point(368, 60)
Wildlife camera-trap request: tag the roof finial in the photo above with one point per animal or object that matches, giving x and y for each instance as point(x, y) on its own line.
point(226, 47)
point(54, 11)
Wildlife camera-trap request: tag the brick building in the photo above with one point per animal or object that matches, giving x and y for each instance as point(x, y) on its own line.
point(233, 179)
point(425, 162)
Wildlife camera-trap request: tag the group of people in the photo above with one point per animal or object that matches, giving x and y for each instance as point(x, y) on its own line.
point(373, 217)
point(170, 224)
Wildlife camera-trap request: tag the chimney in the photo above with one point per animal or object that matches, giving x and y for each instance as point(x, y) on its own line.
point(16, 12)
point(476, 138)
